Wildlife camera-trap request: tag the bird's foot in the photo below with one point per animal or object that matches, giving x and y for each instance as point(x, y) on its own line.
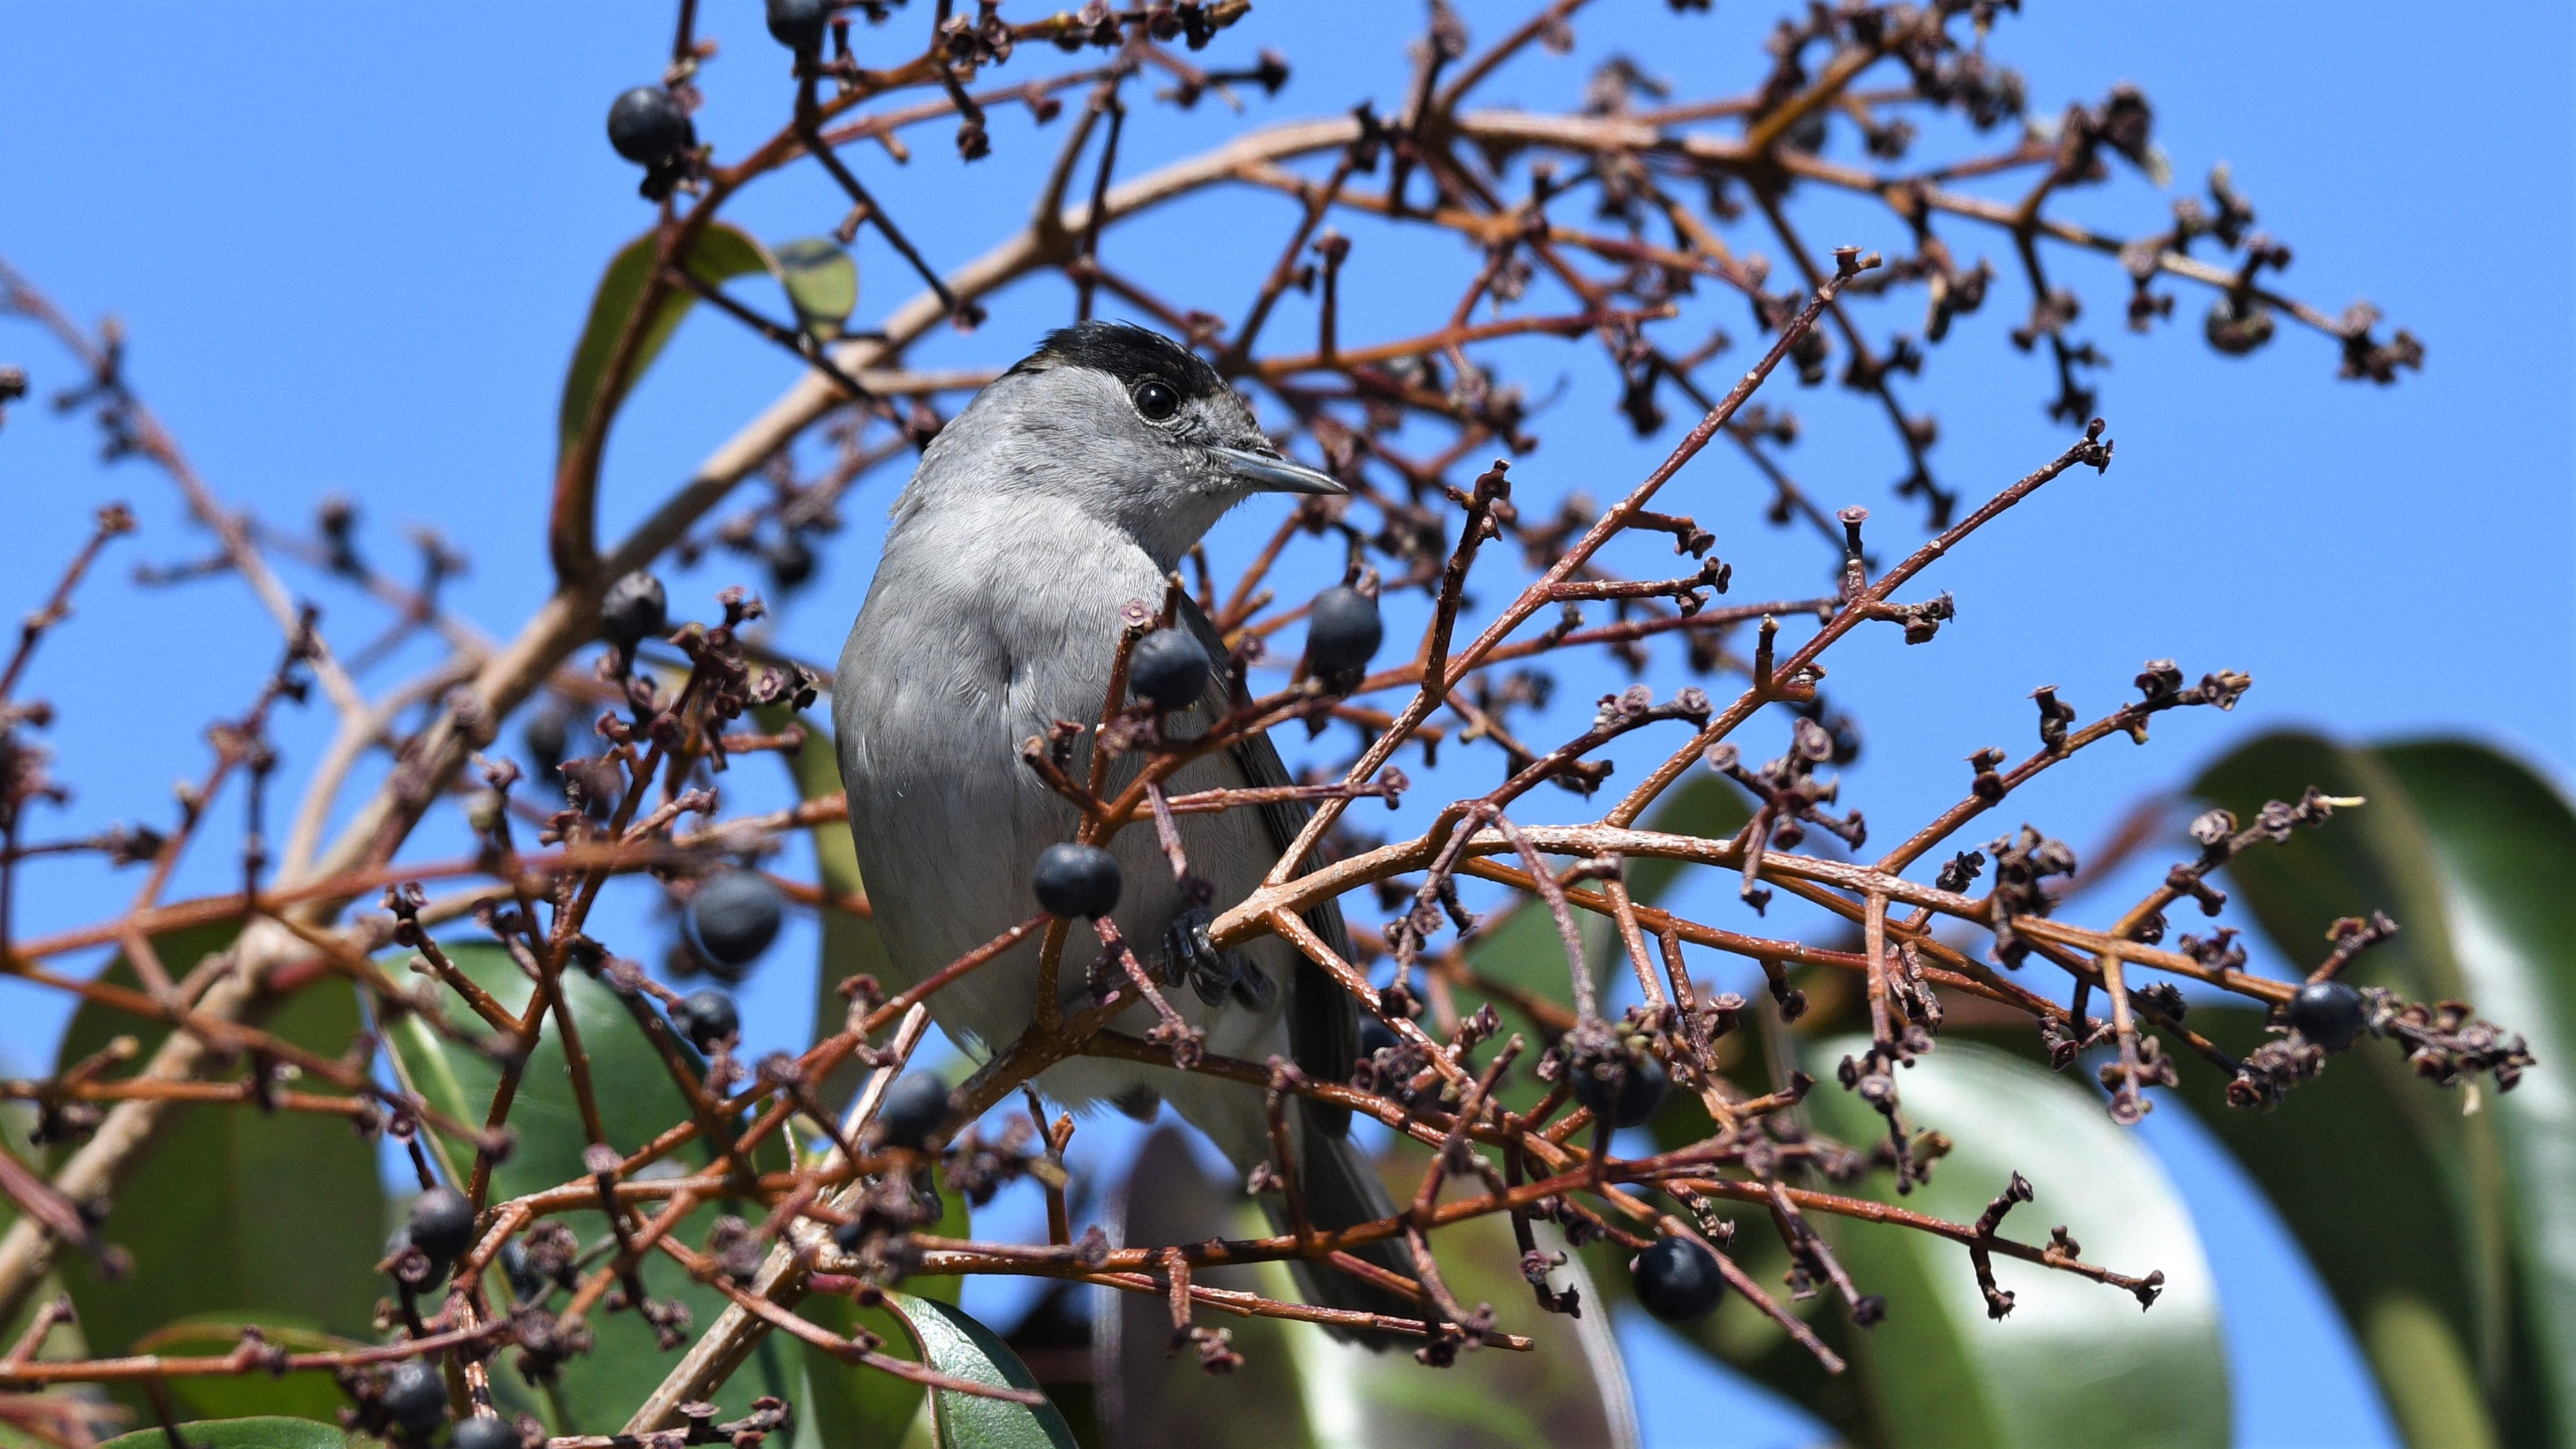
point(1188, 955)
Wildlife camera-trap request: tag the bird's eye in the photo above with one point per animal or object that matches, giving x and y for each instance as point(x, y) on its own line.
point(1157, 400)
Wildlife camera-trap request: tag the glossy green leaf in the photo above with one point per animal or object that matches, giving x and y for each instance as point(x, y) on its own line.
point(264, 1432)
point(1146, 1394)
point(957, 1345)
point(822, 283)
point(1298, 1387)
point(2075, 1362)
point(66, 1342)
point(2470, 853)
point(853, 1404)
point(1524, 952)
point(235, 1212)
point(637, 1102)
point(2424, 1371)
point(2367, 1154)
point(306, 1395)
point(2347, 1167)
point(2504, 848)
point(851, 945)
point(722, 252)
point(1571, 1388)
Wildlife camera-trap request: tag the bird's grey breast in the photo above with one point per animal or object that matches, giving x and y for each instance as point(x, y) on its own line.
point(979, 633)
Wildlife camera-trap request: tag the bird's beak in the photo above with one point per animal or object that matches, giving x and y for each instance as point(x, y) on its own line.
point(1271, 473)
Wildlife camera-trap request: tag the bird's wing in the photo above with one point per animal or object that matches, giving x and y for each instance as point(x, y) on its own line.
point(1323, 1019)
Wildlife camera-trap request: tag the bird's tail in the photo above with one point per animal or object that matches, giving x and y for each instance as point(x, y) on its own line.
point(1341, 1189)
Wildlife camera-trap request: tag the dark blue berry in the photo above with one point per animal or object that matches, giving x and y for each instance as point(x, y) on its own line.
point(1677, 1280)
point(526, 1284)
point(1077, 881)
point(1343, 630)
point(399, 1244)
point(647, 126)
point(733, 918)
point(546, 738)
point(2327, 1013)
point(799, 24)
point(633, 608)
point(442, 1223)
point(1632, 1099)
point(1376, 1036)
point(791, 562)
point(913, 1109)
point(1807, 133)
point(483, 1431)
point(1169, 667)
point(416, 1396)
point(706, 1018)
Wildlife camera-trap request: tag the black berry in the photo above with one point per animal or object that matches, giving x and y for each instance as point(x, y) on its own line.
point(790, 562)
point(706, 1018)
point(416, 1396)
point(399, 1244)
point(1376, 1036)
point(799, 24)
point(1342, 630)
point(647, 126)
point(913, 1109)
point(1077, 881)
point(633, 608)
point(546, 738)
point(1169, 667)
point(2327, 1013)
point(442, 1224)
point(1633, 1098)
point(733, 918)
point(526, 1283)
point(1807, 133)
point(483, 1432)
point(1677, 1280)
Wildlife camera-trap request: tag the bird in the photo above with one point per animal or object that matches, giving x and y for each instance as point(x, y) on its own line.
point(1069, 486)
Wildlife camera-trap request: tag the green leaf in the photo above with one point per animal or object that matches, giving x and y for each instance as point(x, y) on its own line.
point(637, 1102)
point(17, 1120)
point(2469, 852)
point(1298, 1387)
point(1150, 1395)
point(236, 1213)
point(1525, 954)
point(851, 945)
point(2504, 849)
point(822, 283)
point(958, 1346)
point(263, 1432)
point(2431, 1387)
point(2367, 1148)
point(2076, 1362)
point(306, 1395)
point(1525, 950)
point(721, 253)
point(851, 1403)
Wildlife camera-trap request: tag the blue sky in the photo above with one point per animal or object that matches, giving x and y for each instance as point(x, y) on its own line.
point(352, 247)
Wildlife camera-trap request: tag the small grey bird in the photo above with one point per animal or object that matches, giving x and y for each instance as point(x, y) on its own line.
point(1069, 486)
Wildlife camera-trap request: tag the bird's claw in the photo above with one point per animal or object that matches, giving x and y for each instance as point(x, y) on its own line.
point(1189, 955)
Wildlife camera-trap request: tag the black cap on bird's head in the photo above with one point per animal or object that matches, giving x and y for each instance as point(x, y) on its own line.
point(1134, 355)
